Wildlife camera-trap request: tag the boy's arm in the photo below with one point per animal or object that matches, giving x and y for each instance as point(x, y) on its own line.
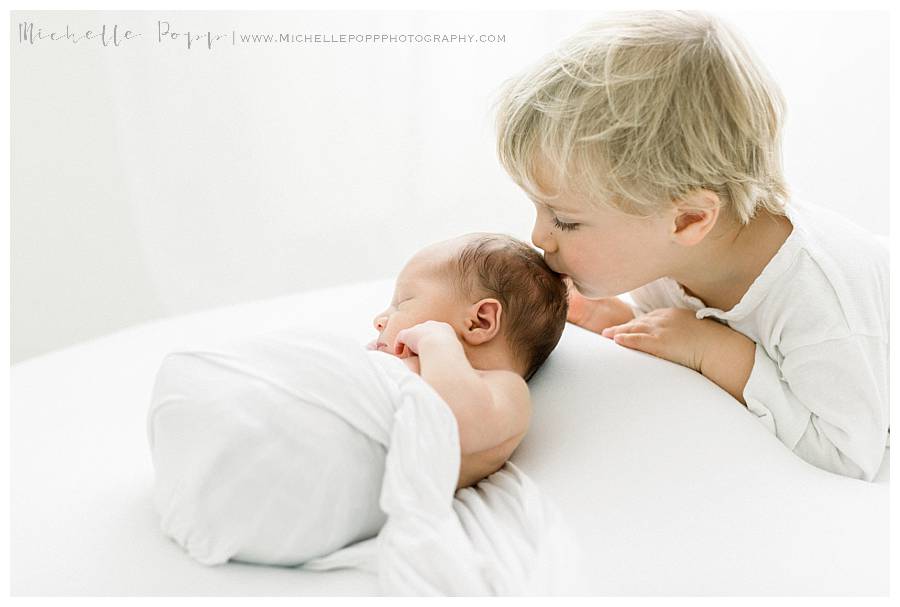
point(727, 358)
point(720, 353)
point(597, 314)
point(826, 401)
point(489, 409)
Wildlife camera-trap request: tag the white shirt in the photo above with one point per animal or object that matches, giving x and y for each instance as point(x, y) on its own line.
point(819, 313)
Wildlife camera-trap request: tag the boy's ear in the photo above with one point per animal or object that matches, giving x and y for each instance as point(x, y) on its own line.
point(694, 216)
point(482, 322)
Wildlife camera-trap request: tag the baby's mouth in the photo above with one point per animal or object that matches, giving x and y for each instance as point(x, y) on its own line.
point(375, 345)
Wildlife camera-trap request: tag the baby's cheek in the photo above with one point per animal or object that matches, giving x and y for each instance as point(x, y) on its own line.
point(389, 336)
point(403, 322)
point(391, 331)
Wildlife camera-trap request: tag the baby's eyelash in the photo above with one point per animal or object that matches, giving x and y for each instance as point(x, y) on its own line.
point(565, 227)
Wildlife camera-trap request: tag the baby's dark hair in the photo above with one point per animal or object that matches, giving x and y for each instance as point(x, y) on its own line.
point(532, 295)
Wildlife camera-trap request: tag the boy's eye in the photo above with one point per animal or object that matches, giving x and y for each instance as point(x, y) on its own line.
point(565, 227)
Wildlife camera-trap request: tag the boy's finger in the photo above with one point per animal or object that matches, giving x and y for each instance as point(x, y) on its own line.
point(636, 341)
point(614, 330)
point(609, 332)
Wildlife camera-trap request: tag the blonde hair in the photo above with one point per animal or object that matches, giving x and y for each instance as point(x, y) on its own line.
point(637, 111)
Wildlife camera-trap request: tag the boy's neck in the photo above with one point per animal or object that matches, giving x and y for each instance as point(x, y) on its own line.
point(720, 270)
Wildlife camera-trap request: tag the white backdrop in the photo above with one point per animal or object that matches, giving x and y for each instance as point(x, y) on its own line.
point(149, 179)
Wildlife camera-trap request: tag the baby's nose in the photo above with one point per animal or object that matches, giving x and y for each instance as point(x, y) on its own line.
point(379, 323)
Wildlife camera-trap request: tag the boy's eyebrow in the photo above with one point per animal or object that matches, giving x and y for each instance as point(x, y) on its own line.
point(550, 206)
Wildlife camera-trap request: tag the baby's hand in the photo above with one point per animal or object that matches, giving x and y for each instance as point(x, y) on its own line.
point(412, 338)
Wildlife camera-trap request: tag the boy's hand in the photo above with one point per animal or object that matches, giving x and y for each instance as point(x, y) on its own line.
point(413, 337)
point(674, 334)
point(596, 314)
point(720, 353)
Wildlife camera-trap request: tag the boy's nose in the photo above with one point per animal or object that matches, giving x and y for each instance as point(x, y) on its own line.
point(542, 239)
point(379, 323)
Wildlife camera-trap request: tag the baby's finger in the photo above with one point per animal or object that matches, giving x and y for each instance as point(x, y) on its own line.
point(400, 342)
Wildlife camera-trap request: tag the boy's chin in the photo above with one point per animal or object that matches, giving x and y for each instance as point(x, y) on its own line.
point(589, 292)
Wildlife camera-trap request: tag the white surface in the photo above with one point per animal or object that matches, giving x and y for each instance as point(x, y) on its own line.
point(671, 486)
point(676, 489)
point(167, 181)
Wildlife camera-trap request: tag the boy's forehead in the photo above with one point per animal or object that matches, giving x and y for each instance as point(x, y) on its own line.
point(544, 178)
point(556, 204)
point(548, 182)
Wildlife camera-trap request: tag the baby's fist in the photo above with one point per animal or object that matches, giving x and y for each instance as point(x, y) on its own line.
point(430, 329)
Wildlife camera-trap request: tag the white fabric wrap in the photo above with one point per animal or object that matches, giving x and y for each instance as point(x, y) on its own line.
point(284, 448)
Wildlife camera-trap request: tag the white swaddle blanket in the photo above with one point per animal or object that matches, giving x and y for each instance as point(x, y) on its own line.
point(285, 448)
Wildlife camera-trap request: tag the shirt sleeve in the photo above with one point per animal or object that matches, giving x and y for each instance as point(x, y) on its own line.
point(648, 297)
point(636, 309)
point(827, 402)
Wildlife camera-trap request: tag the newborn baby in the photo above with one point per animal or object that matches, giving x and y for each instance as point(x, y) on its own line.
point(475, 317)
point(282, 447)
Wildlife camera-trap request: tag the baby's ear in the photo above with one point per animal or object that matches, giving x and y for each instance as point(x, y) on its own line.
point(483, 322)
